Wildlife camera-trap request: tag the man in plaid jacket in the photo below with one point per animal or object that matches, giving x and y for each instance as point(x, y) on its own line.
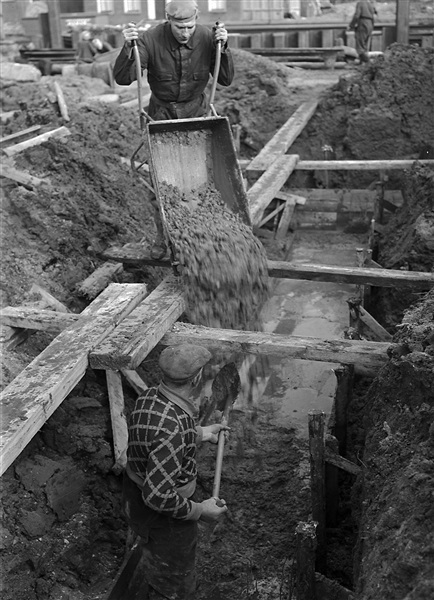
point(161, 472)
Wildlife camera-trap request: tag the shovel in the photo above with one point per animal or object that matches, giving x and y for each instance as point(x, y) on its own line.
point(225, 389)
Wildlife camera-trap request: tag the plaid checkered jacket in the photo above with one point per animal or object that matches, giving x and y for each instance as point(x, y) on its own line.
point(162, 452)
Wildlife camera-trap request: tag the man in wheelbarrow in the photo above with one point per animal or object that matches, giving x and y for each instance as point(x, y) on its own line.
point(160, 477)
point(179, 56)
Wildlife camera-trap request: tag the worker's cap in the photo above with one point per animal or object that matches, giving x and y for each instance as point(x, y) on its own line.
point(182, 10)
point(183, 362)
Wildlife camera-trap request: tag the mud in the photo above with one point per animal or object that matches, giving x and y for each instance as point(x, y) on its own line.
point(63, 535)
point(222, 264)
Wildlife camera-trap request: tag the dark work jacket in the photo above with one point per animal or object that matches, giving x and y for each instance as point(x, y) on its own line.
point(176, 72)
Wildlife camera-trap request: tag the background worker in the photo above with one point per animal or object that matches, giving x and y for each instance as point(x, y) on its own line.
point(179, 56)
point(160, 477)
point(363, 25)
point(101, 47)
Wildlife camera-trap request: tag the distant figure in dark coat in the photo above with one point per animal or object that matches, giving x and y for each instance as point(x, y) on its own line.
point(363, 25)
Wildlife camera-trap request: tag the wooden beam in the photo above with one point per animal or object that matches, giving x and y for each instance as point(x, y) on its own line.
point(22, 177)
point(41, 387)
point(284, 138)
point(375, 277)
point(357, 165)
point(139, 334)
point(264, 190)
point(371, 354)
point(36, 141)
point(13, 138)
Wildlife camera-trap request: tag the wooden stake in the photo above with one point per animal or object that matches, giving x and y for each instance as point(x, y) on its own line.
point(305, 560)
point(61, 101)
point(317, 482)
point(13, 138)
point(345, 379)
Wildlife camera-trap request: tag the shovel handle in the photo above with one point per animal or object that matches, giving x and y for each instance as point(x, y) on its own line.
point(219, 461)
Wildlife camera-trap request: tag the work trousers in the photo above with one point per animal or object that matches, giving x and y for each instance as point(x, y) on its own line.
point(168, 546)
point(363, 38)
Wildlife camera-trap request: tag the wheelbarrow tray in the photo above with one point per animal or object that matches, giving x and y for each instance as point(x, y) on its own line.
point(191, 153)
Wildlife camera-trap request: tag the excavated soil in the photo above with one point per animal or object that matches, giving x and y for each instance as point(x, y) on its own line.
point(63, 534)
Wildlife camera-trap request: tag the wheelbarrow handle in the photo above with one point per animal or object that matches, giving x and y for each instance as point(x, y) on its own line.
point(215, 75)
point(142, 113)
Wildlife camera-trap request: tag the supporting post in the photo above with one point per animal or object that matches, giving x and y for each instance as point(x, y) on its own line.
point(402, 21)
point(317, 483)
point(119, 422)
point(305, 560)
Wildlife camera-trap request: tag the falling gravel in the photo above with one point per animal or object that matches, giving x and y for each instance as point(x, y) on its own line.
point(222, 264)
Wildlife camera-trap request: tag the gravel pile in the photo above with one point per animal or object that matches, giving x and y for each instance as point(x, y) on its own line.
point(222, 264)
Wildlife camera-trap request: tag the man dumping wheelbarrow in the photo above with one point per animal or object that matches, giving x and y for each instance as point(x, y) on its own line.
point(179, 55)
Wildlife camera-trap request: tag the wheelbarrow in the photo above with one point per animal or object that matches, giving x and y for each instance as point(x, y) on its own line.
point(191, 153)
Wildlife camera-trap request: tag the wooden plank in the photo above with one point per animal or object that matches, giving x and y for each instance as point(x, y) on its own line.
point(286, 218)
point(264, 190)
point(135, 381)
point(341, 462)
point(139, 334)
point(357, 352)
point(118, 420)
point(358, 165)
point(272, 214)
point(99, 279)
point(284, 138)
point(48, 298)
point(378, 330)
point(36, 141)
point(22, 177)
point(18, 135)
point(41, 387)
point(37, 319)
point(375, 277)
